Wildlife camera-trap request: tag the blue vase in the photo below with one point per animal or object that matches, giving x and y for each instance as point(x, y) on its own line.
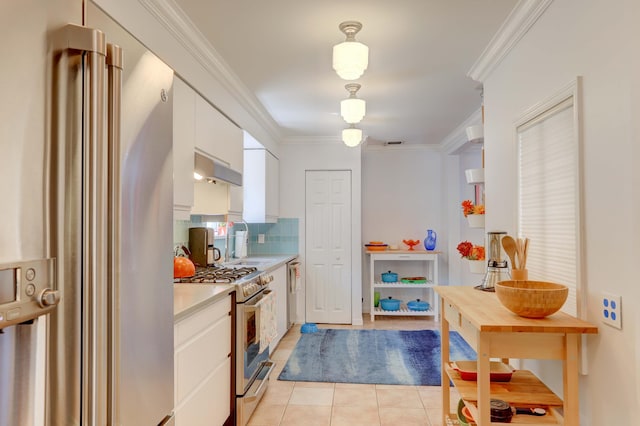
point(430, 241)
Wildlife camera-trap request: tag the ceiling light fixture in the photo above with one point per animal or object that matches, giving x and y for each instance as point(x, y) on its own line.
point(352, 136)
point(350, 58)
point(352, 109)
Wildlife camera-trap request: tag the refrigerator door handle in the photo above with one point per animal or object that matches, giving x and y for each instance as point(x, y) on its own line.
point(114, 62)
point(78, 228)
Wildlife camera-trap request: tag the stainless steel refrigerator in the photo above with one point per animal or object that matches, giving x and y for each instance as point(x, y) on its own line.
point(86, 166)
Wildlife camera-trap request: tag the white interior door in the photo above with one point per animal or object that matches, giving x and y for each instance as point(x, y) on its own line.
point(328, 247)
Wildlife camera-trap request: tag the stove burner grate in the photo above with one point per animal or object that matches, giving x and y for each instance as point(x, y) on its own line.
point(218, 274)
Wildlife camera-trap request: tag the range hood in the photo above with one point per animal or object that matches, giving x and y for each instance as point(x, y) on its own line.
point(213, 170)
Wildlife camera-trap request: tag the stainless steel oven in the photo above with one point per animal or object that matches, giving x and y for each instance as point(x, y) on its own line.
point(253, 366)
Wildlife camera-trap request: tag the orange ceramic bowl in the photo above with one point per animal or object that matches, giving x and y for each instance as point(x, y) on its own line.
point(376, 247)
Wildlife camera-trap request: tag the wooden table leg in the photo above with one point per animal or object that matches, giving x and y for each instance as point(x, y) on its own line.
point(570, 380)
point(484, 409)
point(444, 359)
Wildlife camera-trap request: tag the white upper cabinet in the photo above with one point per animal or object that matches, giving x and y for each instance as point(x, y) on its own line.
point(236, 202)
point(184, 98)
point(211, 134)
point(273, 187)
point(261, 186)
point(217, 137)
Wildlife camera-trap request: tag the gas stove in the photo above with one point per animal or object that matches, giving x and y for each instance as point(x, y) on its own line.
point(248, 280)
point(218, 274)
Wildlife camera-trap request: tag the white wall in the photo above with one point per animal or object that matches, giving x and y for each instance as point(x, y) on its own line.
point(401, 190)
point(402, 197)
point(295, 159)
point(599, 41)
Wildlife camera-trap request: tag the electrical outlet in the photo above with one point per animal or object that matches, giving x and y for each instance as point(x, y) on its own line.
point(260, 238)
point(611, 308)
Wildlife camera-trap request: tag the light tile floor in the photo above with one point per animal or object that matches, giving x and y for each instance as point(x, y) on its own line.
point(346, 404)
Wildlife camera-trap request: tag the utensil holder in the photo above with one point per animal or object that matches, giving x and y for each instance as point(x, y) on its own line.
point(519, 274)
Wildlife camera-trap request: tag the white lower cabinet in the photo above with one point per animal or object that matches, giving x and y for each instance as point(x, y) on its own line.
point(279, 286)
point(203, 366)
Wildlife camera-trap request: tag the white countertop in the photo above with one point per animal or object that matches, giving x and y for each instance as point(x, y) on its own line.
point(189, 298)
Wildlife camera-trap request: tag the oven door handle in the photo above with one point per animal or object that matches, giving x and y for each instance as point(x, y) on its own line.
point(250, 396)
point(256, 306)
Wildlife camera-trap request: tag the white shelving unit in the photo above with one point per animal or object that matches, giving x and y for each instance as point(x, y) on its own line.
point(407, 263)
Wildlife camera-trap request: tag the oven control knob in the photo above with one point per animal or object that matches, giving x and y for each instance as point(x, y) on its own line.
point(249, 289)
point(263, 280)
point(48, 298)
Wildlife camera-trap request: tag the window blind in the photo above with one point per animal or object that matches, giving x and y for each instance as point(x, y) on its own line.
point(548, 191)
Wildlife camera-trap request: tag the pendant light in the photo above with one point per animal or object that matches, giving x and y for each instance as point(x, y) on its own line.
point(350, 58)
point(352, 109)
point(352, 136)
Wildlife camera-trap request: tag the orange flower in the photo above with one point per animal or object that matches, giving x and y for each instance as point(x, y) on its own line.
point(464, 248)
point(468, 251)
point(477, 253)
point(468, 208)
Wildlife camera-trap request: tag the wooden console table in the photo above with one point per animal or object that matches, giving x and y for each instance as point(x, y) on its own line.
point(495, 332)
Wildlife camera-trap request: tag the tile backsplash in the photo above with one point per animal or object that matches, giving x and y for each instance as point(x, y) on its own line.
point(279, 238)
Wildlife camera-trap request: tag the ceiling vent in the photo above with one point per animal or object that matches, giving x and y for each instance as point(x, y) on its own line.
point(390, 143)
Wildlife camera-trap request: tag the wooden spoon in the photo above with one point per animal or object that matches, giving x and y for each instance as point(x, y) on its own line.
point(509, 245)
point(524, 253)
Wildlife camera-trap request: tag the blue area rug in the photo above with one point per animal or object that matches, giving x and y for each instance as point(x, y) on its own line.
point(391, 357)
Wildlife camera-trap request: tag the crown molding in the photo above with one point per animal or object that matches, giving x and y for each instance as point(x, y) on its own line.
point(456, 141)
point(180, 26)
point(404, 147)
point(519, 21)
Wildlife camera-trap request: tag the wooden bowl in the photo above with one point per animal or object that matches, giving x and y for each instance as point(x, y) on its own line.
point(532, 299)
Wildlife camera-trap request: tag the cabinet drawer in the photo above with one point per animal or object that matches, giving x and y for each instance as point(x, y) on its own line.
point(452, 315)
point(194, 324)
point(211, 403)
point(200, 356)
